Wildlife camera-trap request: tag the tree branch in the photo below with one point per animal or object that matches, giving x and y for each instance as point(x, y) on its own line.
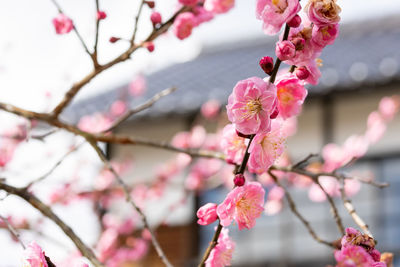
point(46, 211)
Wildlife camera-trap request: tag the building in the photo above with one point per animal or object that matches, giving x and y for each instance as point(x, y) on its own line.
point(358, 70)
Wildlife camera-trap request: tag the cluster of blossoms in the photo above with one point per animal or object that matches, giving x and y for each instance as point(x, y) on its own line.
point(359, 250)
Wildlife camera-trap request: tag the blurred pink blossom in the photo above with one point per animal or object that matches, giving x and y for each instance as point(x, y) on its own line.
point(218, 6)
point(210, 109)
point(221, 255)
point(138, 85)
point(62, 24)
point(183, 25)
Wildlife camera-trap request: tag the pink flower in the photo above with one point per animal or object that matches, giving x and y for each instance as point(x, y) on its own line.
point(314, 72)
point(388, 107)
point(218, 6)
point(137, 86)
point(202, 15)
point(334, 157)
point(33, 256)
point(322, 12)
point(275, 13)
point(325, 34)
point(101, 15)
point(221, 255)
point(291, 94)
point(376, 127)
point(251, 104)
point(188, 2)
point(243, 204)
point(94, 123)
point(285, 50)
point(207, 214)
point(62, 24)
point(210, 109)
point(353, 256)
point(118, 108)
point(107, 243)
point(265, 149)
point(232, 145)
point(183, 25)
point(353, 237)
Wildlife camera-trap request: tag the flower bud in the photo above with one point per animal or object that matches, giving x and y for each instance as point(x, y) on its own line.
point(274, 114)
point(155, 18)
point(302, 73)
point(294, 22)
point(267, 64)
point(114, 39)
point(239, 179)
point(150, 4)
point(149, 46)
point(101, 15)
point(207, 214)
point(285, 50)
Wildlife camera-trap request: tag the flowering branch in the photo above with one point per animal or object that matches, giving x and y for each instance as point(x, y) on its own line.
point(46, 211)
point(141, 107)
point(293, 208)
point(129, 199)
point(212, 245)
point(13, 231)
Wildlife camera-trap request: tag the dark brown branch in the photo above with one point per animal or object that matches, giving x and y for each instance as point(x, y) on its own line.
point(46, 211)
point(211, 246)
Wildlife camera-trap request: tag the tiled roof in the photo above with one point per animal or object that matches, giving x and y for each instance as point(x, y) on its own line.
point(365, 54)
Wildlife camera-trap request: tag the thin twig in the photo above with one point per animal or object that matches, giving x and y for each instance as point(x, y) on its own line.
point(44, 176)
point(305, 160)
point(74, 28)
point(47, 211)
point(334, 210)
point(129, 199)
point(211, 246)
point(141, 107)
point(137, 22)
point(293, 208)
point(96, 40)
point(13, 231)
point(352, 211)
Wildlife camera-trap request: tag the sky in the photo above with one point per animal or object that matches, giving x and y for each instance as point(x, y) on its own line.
point(35, 61)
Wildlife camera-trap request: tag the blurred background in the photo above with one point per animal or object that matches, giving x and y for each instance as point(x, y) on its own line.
point(37, 67)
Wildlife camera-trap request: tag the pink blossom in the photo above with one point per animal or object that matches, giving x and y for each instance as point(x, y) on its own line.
point(107, 243)
point(265, 149)
point(355, 146)
point(118, 108)
point(273, 207)
point(302, 73)
point(73, 260)
point(351, 187)
point(285, 50)
point(353, 237)
point(314, 72)
point(138, 250)
point(251, 104)
point(376, 127)
point(322, 12)
point(138, 85)
point(188, 2)
point(221, 255)
point(218, 6)
point(388, 107)
point(202, 15)
point(183, 25)
point(291, 94)
point(243, 204)
point(353, 256)
point(94, 123)
point(275, 13)
point(210, 109)
point(325, 34)
point(207, 214)
point(306, 50)
point(334, 157)
point(232, 145)
point(62, 24)
point(33, 256)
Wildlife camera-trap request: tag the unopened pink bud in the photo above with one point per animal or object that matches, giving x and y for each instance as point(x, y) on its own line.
point(207, 214)
point(294, 22)
point(274, 114)
point(101, 15)
point(150, 4)
point(155, 18)
point(267, 64)
point(149, 46)
point(239, 179)
point(285, 50)
point(302, 73)
point(114, 39)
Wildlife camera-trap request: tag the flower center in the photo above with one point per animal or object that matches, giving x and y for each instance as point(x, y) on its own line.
point(253, 106)
point(284, 96)
point(280, 5)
